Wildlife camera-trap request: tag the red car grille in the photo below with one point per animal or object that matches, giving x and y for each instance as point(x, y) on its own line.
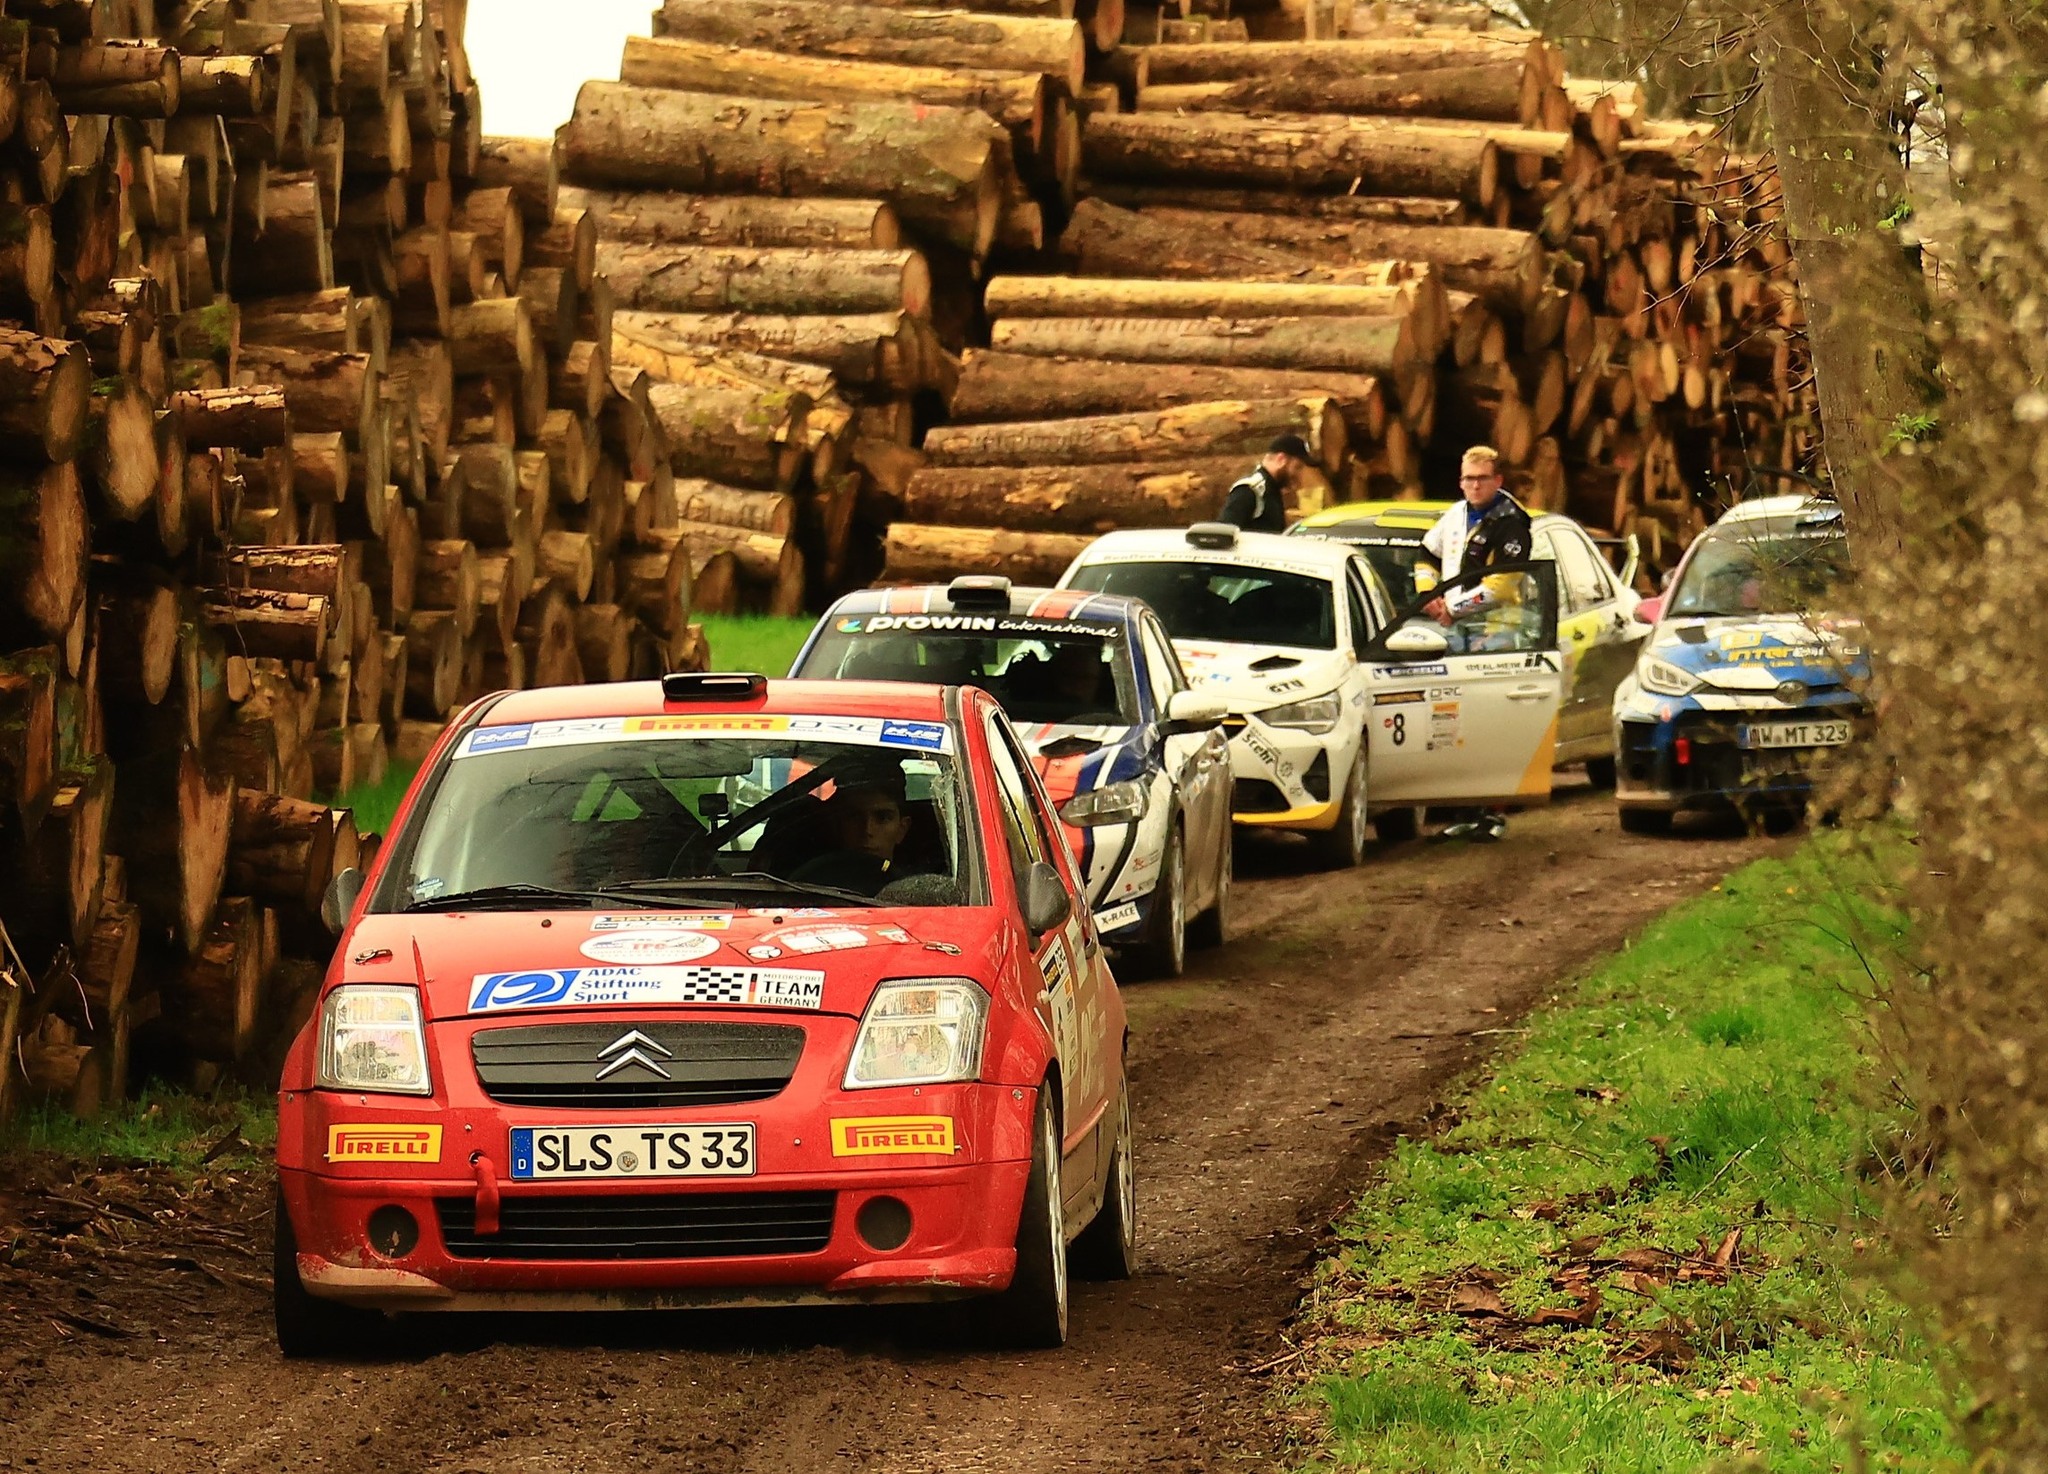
point(575, 1066)
point(643, 1226)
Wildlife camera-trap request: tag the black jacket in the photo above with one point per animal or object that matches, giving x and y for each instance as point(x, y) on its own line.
point(1503, 535)
point(1254, 503)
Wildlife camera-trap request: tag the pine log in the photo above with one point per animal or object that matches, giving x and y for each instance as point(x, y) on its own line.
point(171, 822)
point(933, 164)
point(904, 37)
point(45, 392)
point(569, 243)
point(280, 849)
point(492, 215)
point(492, 337)
point(433, 654)
point(1088, 499)
point(138, 643)
point(1068, 296)
point(547, 633)
point(1360, 345)
point(730, 506)
point(714, 575)
point(656, 585)
point(740, 220)
point(447, 578)
point(1335, 60)
point(1235, 428)
point(250, 420)
point(212, 1003)
point(1296, 151)
point(28, 728)
point(747, 438)
point(526, 166)
point(225, 86)
point(1013, 386)
point(603, 641)
point(851, 347)
point(564, 559)
point(118, 80)
point(1102, 240)
point(1016, 99)
point(1501, 91)
point(774, 279)
point(918, 553)
point(325, 391)
point(43, 548)
point(286, 626)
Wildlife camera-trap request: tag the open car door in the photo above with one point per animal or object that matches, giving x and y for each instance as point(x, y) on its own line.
point(1466, 713)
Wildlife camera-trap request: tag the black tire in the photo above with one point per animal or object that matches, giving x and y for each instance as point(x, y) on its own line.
point(1212, 927)
point(1107, 1249)
point(1032, 1313)
point(1600, 771)
point(308, 1326)
point(1164, 953)
point(1398, 826)
point(1645, 821)
point(1342, 846)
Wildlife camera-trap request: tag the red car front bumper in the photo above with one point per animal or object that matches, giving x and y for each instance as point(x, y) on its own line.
point(579, 1244)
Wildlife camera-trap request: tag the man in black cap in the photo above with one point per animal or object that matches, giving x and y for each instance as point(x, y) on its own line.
point(1254, 503)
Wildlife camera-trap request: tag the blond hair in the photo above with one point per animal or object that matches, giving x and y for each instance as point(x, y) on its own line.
point(1480, 453)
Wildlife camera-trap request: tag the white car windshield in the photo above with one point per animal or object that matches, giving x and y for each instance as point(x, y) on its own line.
point(1067, 675)
point(621, 806)
point(1225, 603)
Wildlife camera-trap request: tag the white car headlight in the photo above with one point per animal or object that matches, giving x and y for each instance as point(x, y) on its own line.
point(919, 1031)
point(1664, 678)
point(371, 1039)
point(1318, 714)
point(1113, 803)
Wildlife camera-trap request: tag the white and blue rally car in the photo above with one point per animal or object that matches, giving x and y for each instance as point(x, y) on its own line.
point(1135, 761)
point(1750, 677)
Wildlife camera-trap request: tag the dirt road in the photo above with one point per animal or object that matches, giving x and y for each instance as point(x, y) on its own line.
point(1264, 1084)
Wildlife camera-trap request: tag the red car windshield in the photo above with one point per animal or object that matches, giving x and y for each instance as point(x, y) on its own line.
point(864, 806)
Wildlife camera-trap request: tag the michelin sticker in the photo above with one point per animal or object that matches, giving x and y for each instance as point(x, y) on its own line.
point(589, 987)
point(650, 944)
point(1408, 672)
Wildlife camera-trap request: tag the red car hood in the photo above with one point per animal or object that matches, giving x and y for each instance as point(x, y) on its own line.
point(797, 959)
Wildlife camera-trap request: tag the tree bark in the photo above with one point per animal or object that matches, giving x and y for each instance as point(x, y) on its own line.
point(526, 166)
point(1501, 92)
point(261, 622)
point(732, 506)
point(28, 728)
point(1336, 60)
point(1358, 345)
point(933, 164)
point(1104, 241)
point(1232, 428)
point(852, 347)
point(138, 644)
point(171, 822)
point(604, 642)
point(45, 392)
point(250, 420)
point(125, 81)
point(325, 391)
point(918, 553)
point(1313, 152)
point(1054, 47)
point(433, 656)
point(1069, 296)
point(44, 542)
point(770, 279)
point(280, 849)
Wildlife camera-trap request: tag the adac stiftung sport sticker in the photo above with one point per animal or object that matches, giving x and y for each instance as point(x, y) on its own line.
point(591, 987)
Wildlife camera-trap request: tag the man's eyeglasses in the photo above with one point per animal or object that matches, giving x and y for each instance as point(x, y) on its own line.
point(1478, 480)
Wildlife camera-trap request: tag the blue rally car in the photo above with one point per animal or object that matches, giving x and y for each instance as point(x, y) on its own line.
point(1748, 681)
point(1136, 762)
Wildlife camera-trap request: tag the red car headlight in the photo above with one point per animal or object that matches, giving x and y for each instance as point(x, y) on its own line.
point(919, 1031)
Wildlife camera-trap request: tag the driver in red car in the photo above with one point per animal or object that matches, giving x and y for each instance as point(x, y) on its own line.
point(866, 821)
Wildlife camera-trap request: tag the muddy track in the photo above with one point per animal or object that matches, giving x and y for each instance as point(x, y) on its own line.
point(1264, 1084)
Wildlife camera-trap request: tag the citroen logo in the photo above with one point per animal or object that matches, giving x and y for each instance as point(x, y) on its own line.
point(633, 1048)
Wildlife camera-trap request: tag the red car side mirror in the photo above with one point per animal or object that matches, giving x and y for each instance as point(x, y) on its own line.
point(1647, 610)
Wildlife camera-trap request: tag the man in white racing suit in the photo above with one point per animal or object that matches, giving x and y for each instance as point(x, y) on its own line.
point(1486, 529)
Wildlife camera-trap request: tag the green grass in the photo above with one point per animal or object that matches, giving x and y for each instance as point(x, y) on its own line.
point(375, 804)
point(161, 1126)
point(1707, 1079)
point(755, 642)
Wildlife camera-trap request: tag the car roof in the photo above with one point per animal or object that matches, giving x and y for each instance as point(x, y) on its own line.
point(781, 698)
point(1383, 514)
point(1073, 605)
point(1789, 510)
point(1254, 549)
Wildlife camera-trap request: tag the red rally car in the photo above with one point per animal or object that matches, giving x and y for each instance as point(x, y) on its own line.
point(710, 991)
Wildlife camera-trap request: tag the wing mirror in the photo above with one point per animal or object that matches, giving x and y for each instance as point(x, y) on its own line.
point(1417, 642)
point(1046, 901)
point(1190, 711)
point(340, 901)
point(1648, 610)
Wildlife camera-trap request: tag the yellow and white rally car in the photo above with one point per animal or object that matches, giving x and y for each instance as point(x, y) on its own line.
point(1344, 710)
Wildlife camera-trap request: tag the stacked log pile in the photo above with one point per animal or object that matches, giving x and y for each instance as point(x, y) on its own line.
point(1432, 228)
point(309, 431)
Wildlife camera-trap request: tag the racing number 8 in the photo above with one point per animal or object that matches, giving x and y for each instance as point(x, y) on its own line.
point(1400, 728)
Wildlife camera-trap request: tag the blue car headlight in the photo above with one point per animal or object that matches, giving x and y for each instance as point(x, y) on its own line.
point(1664, 678)
point(1113, 803)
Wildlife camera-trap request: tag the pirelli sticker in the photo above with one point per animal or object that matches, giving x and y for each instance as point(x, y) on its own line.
point(893, 1136)
point(383, 1143)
